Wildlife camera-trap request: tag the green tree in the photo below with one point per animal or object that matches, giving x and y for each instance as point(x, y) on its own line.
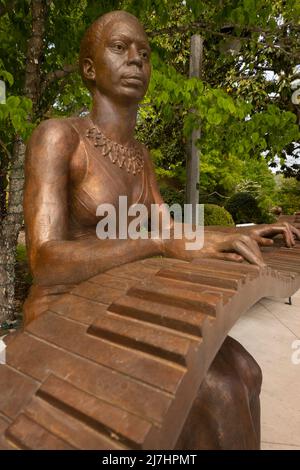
point(288, 196)
point(39, 39)
point(16, 111)
point(242, 101)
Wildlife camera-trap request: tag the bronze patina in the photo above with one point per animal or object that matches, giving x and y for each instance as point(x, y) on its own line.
point(75, 164)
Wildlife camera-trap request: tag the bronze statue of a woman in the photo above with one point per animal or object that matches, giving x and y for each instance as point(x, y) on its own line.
point(75, 164)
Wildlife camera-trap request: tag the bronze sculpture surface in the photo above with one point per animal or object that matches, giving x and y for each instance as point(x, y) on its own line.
point(73, 165)
point(67, 175)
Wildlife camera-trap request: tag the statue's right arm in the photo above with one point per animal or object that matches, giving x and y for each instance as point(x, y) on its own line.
point(53, 257)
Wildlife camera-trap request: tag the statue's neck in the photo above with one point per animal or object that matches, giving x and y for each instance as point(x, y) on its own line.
point(115, 120)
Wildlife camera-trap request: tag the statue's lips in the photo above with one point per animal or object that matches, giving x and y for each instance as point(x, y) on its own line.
point(133, 79)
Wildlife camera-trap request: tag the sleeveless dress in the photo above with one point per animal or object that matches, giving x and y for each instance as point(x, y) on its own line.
point(102, 182)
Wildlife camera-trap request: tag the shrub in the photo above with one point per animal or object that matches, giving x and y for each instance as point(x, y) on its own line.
point(172, 196)
point(213, 214)
point(289, 195)
point(244, 208)
point(216, 215)
point(213, 198)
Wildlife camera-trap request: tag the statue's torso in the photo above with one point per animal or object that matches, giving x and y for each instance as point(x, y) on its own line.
point(95, 180)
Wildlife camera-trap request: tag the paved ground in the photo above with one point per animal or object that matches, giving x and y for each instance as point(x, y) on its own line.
point(268, 331)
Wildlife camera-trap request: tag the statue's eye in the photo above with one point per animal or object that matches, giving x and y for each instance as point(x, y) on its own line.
point(119, 47)
point(144, 54)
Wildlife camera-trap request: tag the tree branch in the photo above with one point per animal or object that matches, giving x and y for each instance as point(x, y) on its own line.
point(7, 8)
point(217, 29)
point(5, 149)
point(45, 113)
point(57, 75)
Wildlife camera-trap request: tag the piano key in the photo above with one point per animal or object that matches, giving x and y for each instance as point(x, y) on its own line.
point(251, 269)
point(78, 308)
point(67, 426)
point(134, 270)
point(73, 337)
point(90, 290)
point(163, 291)
point(29, 435)
point(38, 359)
point(97, 415)
point(150, 310)
point(5, 444)
point(15, 391)
point(218, 279)
point(107, 280)
point(142, 336)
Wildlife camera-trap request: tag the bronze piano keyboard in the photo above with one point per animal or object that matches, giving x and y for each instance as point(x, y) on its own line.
point(116, 364)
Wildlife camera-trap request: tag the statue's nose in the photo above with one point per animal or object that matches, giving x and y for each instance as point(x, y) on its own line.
point(134, 56)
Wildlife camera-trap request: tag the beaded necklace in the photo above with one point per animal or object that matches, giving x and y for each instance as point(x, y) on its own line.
point(130, 158)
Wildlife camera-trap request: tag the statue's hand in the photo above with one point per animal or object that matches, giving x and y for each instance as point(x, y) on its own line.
point(219, 245)
point(231, 247)
point(264, 233)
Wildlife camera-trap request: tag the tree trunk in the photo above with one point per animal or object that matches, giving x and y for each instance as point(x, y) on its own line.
point(3, 176)
point(192, 157)
point(12, 222)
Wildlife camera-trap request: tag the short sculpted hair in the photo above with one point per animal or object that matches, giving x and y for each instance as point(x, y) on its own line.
point(93, 37)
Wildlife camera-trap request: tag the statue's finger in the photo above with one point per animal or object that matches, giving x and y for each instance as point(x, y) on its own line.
point(288, 237)
point(229, 257)
point(295, 232)
point(252, 244)
point(248, 253)
point(264, 241)
point(280, 230)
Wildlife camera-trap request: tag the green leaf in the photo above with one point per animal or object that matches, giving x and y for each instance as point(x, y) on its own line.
point(13, 102)
point(7, 76)
point(249, 6)
point(27, 105)
point(213, 117)
point(255, 137)
point(4, 111)
point(16, 121)
point(238, 16)
point(231, 106)
point(241, 148)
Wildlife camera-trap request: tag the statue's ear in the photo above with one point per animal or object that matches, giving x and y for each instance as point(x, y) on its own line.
point(88, 69)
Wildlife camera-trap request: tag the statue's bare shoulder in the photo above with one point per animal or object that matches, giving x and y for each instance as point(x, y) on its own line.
point(53, 139)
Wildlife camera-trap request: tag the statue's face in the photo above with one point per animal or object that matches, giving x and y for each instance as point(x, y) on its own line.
point(122, 61)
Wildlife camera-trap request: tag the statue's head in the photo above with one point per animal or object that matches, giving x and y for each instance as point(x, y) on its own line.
point(115, 57)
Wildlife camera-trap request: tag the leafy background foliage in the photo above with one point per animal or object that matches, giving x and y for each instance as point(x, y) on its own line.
point(242, 101)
